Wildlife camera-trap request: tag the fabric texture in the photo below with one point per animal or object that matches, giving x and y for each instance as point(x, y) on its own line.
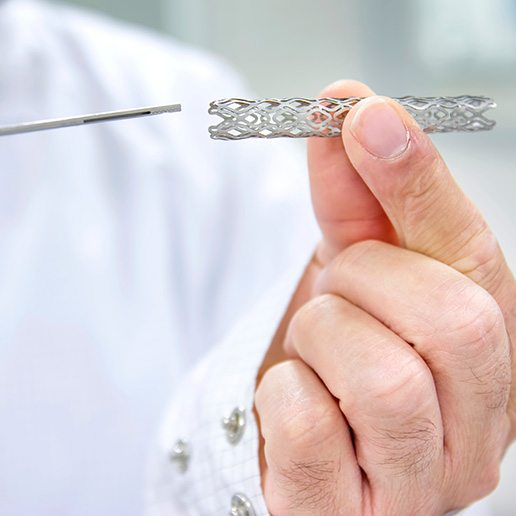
point(223, 381)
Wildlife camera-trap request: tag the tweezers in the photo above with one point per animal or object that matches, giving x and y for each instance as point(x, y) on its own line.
point(107, 116)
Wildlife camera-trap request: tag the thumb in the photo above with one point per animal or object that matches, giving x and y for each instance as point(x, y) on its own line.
point(430, 213)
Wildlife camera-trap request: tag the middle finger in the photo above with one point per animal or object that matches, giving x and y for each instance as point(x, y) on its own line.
point(387, 394)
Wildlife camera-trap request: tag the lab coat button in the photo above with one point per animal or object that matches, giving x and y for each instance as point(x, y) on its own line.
point(241, 506)
point(234, 425)
point(180, 455)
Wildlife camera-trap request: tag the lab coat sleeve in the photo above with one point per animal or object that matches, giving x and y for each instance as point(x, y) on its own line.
point(224, 381)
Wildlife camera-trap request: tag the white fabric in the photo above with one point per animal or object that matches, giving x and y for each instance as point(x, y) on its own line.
point(126, 250)
point(223, 381)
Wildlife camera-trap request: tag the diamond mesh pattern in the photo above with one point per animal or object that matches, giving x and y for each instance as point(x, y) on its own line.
point(301, 118)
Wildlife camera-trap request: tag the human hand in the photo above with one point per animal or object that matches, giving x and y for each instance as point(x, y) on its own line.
point(399, 398)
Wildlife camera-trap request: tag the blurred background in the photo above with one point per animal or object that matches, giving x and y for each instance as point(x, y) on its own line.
point(400, 47)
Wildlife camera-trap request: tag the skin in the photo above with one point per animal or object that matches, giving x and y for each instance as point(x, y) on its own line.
point(388, 390)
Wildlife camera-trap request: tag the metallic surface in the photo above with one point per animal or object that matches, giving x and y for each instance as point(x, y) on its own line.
point(108, 116)
point(180, 455)
point(234, 425)
point(302, 118)
point(241, 506)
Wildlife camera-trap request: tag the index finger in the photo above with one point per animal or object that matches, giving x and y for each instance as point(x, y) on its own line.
point(346, 209)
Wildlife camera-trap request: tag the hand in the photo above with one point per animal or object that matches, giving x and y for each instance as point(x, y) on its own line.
point(397, 398)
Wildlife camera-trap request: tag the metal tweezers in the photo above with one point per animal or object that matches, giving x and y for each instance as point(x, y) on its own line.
point(108, 116)
point(296, 117)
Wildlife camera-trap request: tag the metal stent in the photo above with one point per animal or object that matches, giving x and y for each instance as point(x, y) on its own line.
point(302, 118)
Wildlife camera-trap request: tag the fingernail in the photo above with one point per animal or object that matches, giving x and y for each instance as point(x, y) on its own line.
point(379, 129)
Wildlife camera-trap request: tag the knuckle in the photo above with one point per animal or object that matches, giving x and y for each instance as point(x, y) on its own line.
point(295, 415)
point(308, 423)
point(477, 335)
point(481, 256)
point(360, 249)
point(400, 387)
point(487, 250)
point(418, 193)
point(489, 479)
point(481, 481)
point(355, 254)
point(347, 261)
point(478, 322)
point(309, 316)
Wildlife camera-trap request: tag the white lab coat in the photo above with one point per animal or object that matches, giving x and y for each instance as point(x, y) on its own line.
point(126, 250)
